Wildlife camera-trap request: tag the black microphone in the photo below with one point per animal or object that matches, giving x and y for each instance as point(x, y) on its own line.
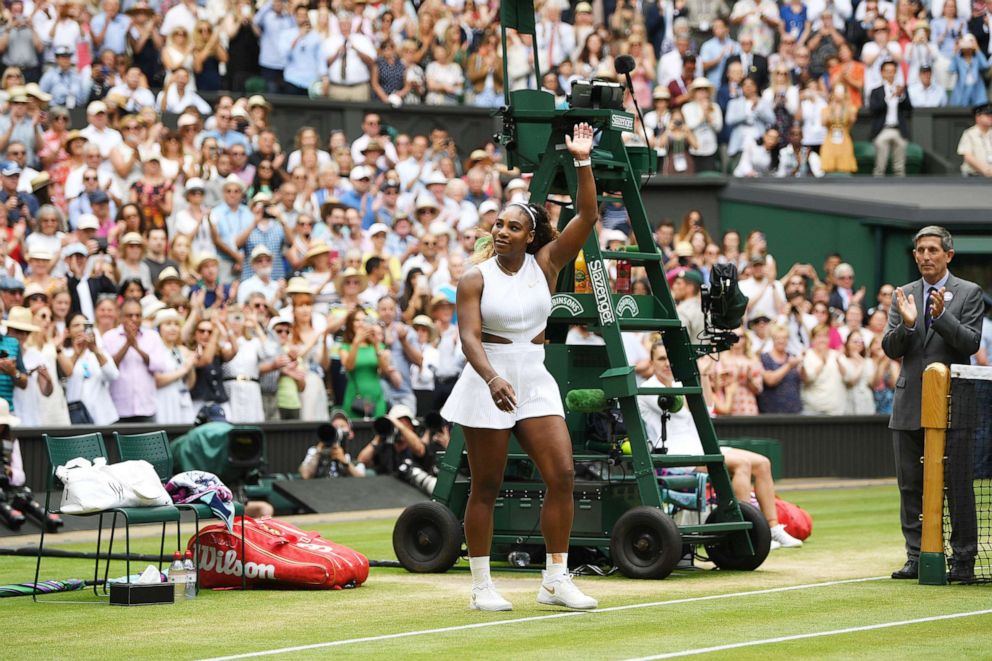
point(624, 64)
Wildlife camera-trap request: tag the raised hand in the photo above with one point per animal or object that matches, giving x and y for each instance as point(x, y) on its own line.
point(579, 144)
point(936, 303)
point(907, 308)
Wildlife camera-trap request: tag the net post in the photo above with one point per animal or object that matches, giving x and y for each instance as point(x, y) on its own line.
point(933, 419)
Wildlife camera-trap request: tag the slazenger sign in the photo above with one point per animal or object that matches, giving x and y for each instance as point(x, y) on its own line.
point(622, 122)
point(601, 291)
point(227, 562)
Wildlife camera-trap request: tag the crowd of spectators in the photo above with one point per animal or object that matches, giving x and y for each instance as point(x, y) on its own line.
point(149, 271)
point(726, 83)
point(811, 342)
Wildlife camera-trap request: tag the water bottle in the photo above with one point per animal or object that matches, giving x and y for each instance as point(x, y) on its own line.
point(177, 576)
point(190, 568)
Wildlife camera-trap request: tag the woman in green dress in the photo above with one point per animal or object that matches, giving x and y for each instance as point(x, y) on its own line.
point(365, 360)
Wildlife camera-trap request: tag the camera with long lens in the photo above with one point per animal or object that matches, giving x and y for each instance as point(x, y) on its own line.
point(331, 436)
point(416, 477)
point(723, 306)
point(385, 429)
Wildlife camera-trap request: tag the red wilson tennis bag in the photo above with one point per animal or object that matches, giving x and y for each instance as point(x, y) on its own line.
point(796, 520)
point(277, 555)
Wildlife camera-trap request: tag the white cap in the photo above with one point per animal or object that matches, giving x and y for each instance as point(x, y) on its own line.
point(96, 107)
point(194, 183)
point(376, 228)
point(87, 221)
point(360, 172)
point(487, 206)
point(436, 177)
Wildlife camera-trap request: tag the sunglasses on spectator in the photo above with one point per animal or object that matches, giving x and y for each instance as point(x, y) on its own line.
point(429, 244)
point(36, 297)
point(208, 329)
point(282, 331)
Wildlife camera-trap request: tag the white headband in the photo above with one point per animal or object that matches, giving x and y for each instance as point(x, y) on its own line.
point(526, 207)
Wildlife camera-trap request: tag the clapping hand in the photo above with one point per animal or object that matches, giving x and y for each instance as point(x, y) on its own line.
point(907, 308)
point(936, 303)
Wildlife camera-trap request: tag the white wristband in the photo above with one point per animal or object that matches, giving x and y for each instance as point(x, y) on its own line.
point(582, 164)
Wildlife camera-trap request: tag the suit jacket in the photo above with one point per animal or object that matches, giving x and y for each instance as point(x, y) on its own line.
point(101, 285)
point(877, 105)
point(980, 28)
point(758, 69)
point(836, 300)
point(953, 338)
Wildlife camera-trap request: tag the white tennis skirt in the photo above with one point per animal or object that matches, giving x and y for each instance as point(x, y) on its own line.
point(471, 404)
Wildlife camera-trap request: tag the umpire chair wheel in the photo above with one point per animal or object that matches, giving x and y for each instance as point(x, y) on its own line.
point(645, 543)
point(427, 538)
point(723, 555)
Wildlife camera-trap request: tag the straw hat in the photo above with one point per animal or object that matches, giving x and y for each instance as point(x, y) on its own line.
point(426, 322)
point(132, 239)
point(318, 247)
point(299, 285)
point(34, 289)
point(150, 306)
point(261, 250)
point(169, 273)
point(5, 417)
point(203, 258)
point(258, 101)
point(39, 253)
point(701, 84)
point(425, 201)
point(20, 318)
point(350, 273)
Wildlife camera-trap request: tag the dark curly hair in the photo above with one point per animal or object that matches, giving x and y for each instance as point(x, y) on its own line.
point(544, 233)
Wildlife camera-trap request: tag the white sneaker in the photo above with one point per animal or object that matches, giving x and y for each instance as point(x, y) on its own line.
point(774, 546)
point(786, 540)
point(561, 591)
point(486, 598)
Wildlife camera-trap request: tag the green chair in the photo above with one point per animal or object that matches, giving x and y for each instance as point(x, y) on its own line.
point(154, 448)
point(61, 450)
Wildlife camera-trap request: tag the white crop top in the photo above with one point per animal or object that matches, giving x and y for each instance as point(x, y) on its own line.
point(515, 307)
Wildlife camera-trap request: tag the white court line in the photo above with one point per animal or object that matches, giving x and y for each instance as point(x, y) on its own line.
point(537, 618)
point(815, 634)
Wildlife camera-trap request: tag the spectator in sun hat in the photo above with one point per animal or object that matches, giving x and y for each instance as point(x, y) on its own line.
point(372, 132)
point(386, 205)
point(130, 260)
point(217, 292)
point(261, 279)
point(19, 125)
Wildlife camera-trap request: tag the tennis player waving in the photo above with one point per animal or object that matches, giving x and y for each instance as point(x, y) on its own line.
point(503, 306)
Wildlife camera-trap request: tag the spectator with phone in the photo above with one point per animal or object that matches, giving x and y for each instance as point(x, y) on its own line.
point(365, 359)
point(88, 373)
point(30, 375)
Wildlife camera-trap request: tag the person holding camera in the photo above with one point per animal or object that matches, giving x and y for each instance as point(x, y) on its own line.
point(328, 458)
point(365, 358)
point(395, 442)
point(88, 373)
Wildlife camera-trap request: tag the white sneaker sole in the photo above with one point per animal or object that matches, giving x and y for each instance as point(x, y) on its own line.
point(546, 598)
point(502, 607)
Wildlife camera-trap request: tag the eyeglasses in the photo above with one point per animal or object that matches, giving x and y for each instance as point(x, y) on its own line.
point(304, 223)
point(204, 330)
point(259, 306)
point(428, 244)
point(282, 331)
point(90, 179)
point(17, 153)
point(36, 297)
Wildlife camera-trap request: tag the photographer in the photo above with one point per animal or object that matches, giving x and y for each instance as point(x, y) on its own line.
point(395, 442)
point(328, 458)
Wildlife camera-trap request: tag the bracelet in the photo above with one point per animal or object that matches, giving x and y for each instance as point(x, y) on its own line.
point(582, 163)
point(493, 379)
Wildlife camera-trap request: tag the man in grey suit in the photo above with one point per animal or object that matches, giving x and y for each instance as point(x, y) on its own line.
point(937, 319)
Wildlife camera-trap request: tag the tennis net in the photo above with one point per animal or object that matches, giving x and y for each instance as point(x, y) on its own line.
point(968, 471)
